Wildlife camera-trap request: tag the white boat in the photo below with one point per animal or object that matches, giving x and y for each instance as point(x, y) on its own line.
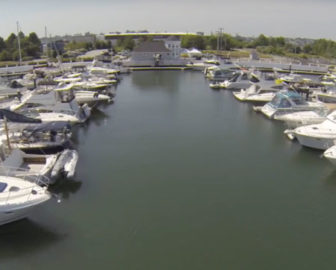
point(18, 198)
point(102, 71)
point(330, 154)
point(327, 97)
point(91, 98)
point(286, 102)
point(56, 106)
point(90, 86)
point(53, 135)
point(296, 119)
point(215, 85)
point(66, 164)
point(241, 80)
point(15, 101)
point(32, 167)
point(257, 94)
point(320, 136)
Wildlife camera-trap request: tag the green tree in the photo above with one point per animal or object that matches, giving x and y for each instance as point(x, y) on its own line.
point(2, 44)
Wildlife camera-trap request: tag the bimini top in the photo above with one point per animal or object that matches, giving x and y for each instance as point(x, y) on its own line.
point(287, 99)
point(50, 126)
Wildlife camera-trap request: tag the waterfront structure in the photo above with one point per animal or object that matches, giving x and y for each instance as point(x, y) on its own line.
point(138, 36)
point(154, 54)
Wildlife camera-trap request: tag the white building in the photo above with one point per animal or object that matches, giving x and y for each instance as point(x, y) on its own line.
point(155, 53)
point(173, 44)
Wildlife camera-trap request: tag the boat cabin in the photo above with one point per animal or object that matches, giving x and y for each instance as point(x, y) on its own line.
point(288, 99)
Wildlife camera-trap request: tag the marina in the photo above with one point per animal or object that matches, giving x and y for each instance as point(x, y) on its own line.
point(176, 175)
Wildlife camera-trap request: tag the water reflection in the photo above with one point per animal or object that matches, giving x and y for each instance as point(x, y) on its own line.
point(22, 237)
point(64, 187)
point(330, 179)
point(98, 118)
point(158, 80)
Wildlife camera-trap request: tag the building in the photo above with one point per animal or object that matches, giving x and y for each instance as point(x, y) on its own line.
point(154, 54)
point(173, 44)
point(144, 35)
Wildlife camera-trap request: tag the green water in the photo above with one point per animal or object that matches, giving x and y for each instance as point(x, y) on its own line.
point(175, 175)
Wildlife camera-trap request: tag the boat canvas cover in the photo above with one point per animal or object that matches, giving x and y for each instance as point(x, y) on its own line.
point(16, 117)
point(52, 126)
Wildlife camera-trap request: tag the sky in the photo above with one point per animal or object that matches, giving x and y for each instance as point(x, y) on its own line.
point(288, 18)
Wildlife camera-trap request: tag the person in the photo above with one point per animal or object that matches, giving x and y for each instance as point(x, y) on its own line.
point(19, 95)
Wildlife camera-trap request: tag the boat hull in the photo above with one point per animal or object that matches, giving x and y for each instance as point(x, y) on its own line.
point(11, 215)
point(330, 154)
point(315, 142)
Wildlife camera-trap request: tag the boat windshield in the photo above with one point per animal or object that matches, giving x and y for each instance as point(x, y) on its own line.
point(299, 101)
point(2, 186)
point(280, 101)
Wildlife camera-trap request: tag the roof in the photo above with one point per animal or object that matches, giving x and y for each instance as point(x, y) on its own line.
point(159, 34)
point(173, 38)
point(151, 46)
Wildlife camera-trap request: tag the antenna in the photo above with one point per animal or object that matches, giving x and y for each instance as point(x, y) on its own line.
point(18, 35)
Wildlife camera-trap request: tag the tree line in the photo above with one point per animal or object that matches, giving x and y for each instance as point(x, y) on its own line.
point(30, 47)
point(263, 44)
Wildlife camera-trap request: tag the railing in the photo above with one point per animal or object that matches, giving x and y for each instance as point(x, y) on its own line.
point(21, 194)
point(25, 175)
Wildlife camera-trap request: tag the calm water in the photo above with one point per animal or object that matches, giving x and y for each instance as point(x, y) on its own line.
point(175, 175)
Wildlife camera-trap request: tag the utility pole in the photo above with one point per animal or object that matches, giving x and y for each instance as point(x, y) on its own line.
point(217, 42)
point(46, 40)
point(221, 38)
point(18, 35)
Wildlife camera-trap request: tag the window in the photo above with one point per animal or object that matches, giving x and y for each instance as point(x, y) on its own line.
point(2, 186)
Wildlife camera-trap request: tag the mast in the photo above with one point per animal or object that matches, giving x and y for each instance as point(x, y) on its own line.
point(18, 35)
point(7, 136)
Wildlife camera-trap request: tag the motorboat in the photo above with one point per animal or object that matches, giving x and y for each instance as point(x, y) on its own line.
point(214, 73)
point(56, 106)
point(91, 98)
point(82, 97)
point(327, 97)
point(53, 135)
point(31, 167)
point(286, 102)
point(94, 70)
point(330, 154)
point(296, 119)
point(15, 100)
point(66, 164)
point(241, 80)
point(215, 85)
point(258, 93)
point(18, 198)
point(91, 85)
point(319, 136)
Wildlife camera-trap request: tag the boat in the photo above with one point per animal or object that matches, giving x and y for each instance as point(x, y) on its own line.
point(215, 85)
point(319, 136)
point(31, 167)
point(56, 106)
point(53, 135)
point(214, 73)
point(296, 119)
point(286, 102)
point(327, 97)
point(241, 80)
point(330, 154)
point(82, 97)
point(257, 93)
point(18, 198)
point(66, 164)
